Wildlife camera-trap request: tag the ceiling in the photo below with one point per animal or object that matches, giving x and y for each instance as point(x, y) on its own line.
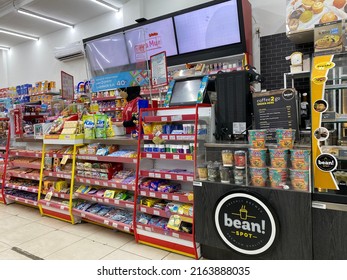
point(70, 11)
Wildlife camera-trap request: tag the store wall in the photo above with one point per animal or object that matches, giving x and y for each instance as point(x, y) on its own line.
point(273, 51)
point(34, 61)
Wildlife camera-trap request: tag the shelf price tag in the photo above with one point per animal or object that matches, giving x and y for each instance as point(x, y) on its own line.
point(127, 229)
point(88, 181)
point(165, 137)
point(157, 175)
point(175, 197)
point(189, 157)
point(131, 206)
point(152, 194)
point(97, 183)
point(100, 200)
point(83, 215)
point(179, 177)
point(168, 176)
point(143, 209)
point(149, 155)
point(145, 137)
point(174, 234)
point(62, 207)
point(176, 118)
point(94, 198)
point(164, 196)
point(190, 178)
point(151, 174)
point(156, 212)
point(164, 119)
point(115, 225)
point(106, 200)
point(106, 222)
point(116, 201)
point(172, 137)
point(176, 157)
point(163, 156)
point(143, 193)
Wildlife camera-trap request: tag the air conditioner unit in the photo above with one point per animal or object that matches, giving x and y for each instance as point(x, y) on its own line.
point(69, 52)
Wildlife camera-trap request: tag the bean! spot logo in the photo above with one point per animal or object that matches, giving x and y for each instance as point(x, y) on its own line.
point(288, 94)
point(245, 223)
point(326, 162)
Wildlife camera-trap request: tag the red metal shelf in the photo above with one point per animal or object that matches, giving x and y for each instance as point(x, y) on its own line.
point(105, 183)
point(167, 156)
point(167, 175)
point(111, 109)
point(173, 137)
point(4, 119)
point(168, 196)
point(107, 158)
point(23, 188)
point(34, 154)
point(54, 204)
point(176, 118)
point(47, 92)
point(62, 175)
point(61, 195)
point(102, 220)
point(57, 155)
point(23, 175)
point(148, 92)
point(105, 200)
point(162, 213)
point(21, 200)
point(167, 232)
point(24, 165)
point(106, 98)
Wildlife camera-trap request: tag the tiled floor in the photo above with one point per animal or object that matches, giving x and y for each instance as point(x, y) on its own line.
point(24, 234)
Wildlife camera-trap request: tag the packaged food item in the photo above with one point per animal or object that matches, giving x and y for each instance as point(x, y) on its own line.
point(101, 126)
point(227, 157)
point(277, 177)
point(256, 138)
point(285, 138)
point(257, 157)
point(278, 158)
point(300, 179)
point(300, 159)
point(147, 128)
point(258, 176)
point(240, 159)
point(89, 126)
point(202, 172)
point(109, 193)
point(109, 128)
point(174, 222)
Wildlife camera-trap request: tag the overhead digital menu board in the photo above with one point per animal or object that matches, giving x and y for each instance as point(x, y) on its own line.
point(157, 36)
point(213, 26)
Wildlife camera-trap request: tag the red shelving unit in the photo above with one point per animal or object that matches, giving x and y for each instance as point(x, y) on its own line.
point(171, 137)
point(107, 201)
point(4, 157)
point(167, 175)
point(167, 156)
point(107, 158)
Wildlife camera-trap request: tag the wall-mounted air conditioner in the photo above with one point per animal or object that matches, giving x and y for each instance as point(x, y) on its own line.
point(69, 52)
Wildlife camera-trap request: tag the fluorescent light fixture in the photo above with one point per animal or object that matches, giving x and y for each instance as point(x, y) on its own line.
point(19, 34)
point(107, 5)
point(4, 48)
point(46, 18)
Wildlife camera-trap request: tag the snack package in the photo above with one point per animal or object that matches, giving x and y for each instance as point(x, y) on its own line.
point(89, 126)
point(101, 126)
point(109, 128)
point(57, 126)
point(174, 222)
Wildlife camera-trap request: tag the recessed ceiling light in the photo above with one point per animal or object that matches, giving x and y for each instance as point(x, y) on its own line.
point(42, 17)
point(107, 5)
point(19, 34)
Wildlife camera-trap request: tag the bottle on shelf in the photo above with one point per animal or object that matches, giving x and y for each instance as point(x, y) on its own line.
point(304, 111)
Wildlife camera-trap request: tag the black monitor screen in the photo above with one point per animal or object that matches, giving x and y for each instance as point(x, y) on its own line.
point(107, 54)
point(185, 92)
point(209, 27)
point(159, 37)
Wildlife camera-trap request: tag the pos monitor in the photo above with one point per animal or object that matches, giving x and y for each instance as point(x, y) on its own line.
point(188, 91)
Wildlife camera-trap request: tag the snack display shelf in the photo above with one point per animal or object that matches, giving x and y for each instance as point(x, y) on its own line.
point(62, 175)
point(23, 188)
point(54, 204)
point(23, 175)
point(162, 213)
point(173, 137)
point(61, 195)
point(106, 98)
point(105, 183)
point(176, 118)
point(2, 148)
point(24, 165)
point(157, 155)
point(34, 154)
point(166, 232)
point(34, 114)
point(22, 200)
point(4, 119)
point(167, 175)
point(28, 138)
point(46, 92)
point(107, 158)
point(111, 109)
point(168, 196)
point(116, 140)
point(102, 220)
point(105, 200)
point(57, 155)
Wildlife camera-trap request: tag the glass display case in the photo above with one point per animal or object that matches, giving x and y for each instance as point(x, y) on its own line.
point(329, 125)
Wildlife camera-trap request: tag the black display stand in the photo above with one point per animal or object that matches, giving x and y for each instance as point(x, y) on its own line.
point(293, 210)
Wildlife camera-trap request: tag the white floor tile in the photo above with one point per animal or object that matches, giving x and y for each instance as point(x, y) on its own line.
point(16, 208)
point(123, 255)
point(4, 246)
point(112, 238)
point(12, 255)
point(173, 256)
point(49, 243)
point(52, 222)
point(84, 249)
point(12, 222)
point(144, 251)
point(30, 214)
point(83, 229)
point(4, 214)
point(24, 233)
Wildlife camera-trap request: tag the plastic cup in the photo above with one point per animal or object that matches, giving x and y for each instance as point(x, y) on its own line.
point(285, 138)
point(300, 159)
point(258, 176)
point(278, 158)
point(227, 158)
point(257, 137)
point(277, 177)
point(202, 172)
point(257, 157)
point(299, 179)
point(225, 174)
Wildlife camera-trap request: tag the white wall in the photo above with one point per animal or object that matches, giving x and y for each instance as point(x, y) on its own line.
point(34, 61)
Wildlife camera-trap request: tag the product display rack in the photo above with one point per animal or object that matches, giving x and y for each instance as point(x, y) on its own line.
point(111, 185)
point(4, 154)
point(172, 167)
point(60, 207)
